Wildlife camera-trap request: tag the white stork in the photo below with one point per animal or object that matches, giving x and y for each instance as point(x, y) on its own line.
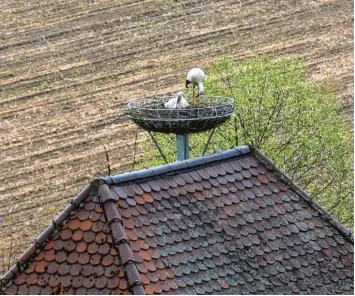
point(178, 102)
point(195, 77)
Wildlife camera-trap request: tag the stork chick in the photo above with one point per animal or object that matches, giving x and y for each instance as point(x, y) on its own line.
point(178, 102)
point(195, 78)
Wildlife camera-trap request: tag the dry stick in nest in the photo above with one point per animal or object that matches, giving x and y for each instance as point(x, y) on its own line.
point(95, 126)
point(119, 118)
point(108, 162)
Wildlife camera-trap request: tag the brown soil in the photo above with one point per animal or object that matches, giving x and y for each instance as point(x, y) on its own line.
point(68, 67)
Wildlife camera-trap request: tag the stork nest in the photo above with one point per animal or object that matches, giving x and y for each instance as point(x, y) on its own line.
point(150, 114)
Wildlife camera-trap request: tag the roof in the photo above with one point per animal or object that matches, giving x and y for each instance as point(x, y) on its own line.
point(227, 223)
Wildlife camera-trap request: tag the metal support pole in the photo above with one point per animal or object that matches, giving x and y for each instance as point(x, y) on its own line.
point(182, 146)
point(208, 141)
point(156, 145)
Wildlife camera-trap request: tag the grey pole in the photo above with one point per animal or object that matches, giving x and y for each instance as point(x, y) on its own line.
point(182, 146)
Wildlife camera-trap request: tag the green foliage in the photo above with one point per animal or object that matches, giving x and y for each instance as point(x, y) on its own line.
point(291, 119)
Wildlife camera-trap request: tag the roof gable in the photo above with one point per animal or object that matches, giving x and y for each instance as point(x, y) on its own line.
point(229, 223)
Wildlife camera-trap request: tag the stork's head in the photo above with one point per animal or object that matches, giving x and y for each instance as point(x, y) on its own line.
point(180, 95)
point(188, 83)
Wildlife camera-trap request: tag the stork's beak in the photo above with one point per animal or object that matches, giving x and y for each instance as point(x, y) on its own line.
point(188, 84)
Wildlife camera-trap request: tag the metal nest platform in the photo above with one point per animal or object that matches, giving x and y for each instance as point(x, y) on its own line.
point(150, 114)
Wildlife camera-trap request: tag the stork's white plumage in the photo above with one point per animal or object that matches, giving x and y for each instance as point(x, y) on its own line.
point(178, 102)
point(195, 77)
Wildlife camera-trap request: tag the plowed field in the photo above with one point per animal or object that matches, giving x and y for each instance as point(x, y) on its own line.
point(68, 67)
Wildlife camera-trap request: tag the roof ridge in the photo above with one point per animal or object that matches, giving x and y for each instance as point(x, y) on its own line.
point(325, 215)
point(176, 167)
point(120, 239)
point(41, 240)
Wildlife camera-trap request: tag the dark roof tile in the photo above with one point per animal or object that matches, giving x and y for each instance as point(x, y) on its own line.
point(145, 187)
point(204, 174)
point(219, 168)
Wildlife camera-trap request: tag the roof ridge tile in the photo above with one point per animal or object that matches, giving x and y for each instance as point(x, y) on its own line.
point(176, 167)
point(121, 241)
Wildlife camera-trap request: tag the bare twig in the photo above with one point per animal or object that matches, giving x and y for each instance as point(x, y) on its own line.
point(236, 131)
point(108, 162)
point(294, 136)
point(134, 148)
point(104, 125)
point(338, 202)
point(11, 246)
point(319, 192)
point(307, 166)
point(275, 113)
point(244, 129)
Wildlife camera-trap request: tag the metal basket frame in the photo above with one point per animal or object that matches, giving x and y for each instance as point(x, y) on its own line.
point(150, 114)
